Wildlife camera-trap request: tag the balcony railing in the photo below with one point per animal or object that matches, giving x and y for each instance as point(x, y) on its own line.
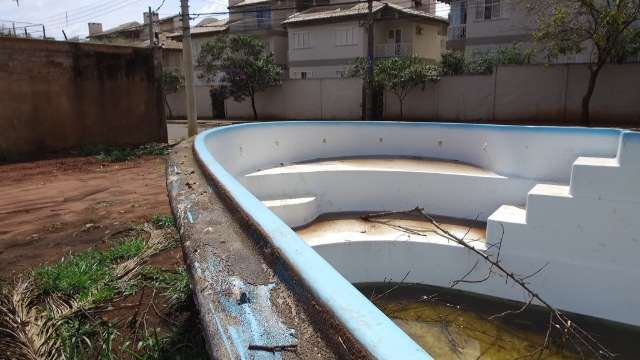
point(393, 50)
point(457, 32)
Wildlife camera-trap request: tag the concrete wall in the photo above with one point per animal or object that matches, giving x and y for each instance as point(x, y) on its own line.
point(528, 94)
point(531, 94)
point(59, 95)
point(303, 99)
point(178, 104)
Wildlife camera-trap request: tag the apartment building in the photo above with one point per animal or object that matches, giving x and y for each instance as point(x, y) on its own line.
point(324, 41)
point(480, 26)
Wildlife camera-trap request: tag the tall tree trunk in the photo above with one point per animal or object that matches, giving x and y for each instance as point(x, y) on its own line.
point(253, 107)
point(168, 107)
point(586, 99)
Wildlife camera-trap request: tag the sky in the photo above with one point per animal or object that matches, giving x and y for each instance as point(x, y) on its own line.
point(72, 16)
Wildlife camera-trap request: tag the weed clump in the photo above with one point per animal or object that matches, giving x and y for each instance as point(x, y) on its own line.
point(163, 221)
point(105, 153)
point(87, 276)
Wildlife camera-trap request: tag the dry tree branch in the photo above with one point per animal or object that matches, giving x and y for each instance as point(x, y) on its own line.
point(377, 297)
point(558, 319)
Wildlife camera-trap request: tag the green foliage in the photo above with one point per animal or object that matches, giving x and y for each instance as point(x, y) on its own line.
point(161, 221)
point(398, 75)
point(567, 27)
point(171, 81)
point(105, 153)
point(93, 278)
point(83, 338)
point(174, 285)
point(185, 342)
point(243, 65)
point(455, 63)
point(88, 275)
point(609, 28)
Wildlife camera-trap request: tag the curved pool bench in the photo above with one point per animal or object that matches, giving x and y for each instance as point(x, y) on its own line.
point(565, 197)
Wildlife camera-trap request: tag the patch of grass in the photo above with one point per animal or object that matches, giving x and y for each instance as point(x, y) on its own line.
point(174, 285)
point(125, 250)
point(116, 155)
point(94, 280)
point(163, 221)
point(184, 342)
point(87, 275)
point(83, 338)
point(105, 153)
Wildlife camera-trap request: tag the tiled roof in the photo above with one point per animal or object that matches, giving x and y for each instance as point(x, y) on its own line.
point(206, 26)
point(132, 25)
point(343, 10)
point(249, 2)
point(328, 12)
point(416, 12)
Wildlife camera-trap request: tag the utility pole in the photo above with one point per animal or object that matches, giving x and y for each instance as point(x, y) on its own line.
point(44, 32)
point(370, 59)
point(150, 25)
point(14, 30)
point(187, 68)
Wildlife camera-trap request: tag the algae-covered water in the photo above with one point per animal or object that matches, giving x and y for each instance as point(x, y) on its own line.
point(455, 325)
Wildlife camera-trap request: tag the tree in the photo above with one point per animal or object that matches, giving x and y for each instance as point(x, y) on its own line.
point(171, 82)
point(455, 63)
point(399, 75)
point(242, 65)
point(603, 27)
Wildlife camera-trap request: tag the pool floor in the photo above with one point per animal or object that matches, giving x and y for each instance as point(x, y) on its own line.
point(454, 325)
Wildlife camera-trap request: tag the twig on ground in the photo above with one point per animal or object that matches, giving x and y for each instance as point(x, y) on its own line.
point(274, 348)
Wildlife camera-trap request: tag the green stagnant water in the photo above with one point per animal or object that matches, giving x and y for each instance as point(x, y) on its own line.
point(455, 325)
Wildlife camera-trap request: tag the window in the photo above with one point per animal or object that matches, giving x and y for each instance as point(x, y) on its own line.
point(487, 9)
point(301, 40)
point(346, 36)
point(303, 75)
point(263, 17)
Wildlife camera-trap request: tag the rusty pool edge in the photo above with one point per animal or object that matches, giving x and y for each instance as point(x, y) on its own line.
point(184, 180)
point(373, 331)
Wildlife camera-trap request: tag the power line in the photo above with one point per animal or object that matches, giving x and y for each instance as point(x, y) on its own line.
point(83, 10)
point(75, 18)
point(58, 25)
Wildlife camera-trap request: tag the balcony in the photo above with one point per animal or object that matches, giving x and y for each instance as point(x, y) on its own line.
point(457, 32)
point(393, 50)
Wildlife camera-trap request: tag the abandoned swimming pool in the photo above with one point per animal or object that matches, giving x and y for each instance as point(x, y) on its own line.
point(558, 201)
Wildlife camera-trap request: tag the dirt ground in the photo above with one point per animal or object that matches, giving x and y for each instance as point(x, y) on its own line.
point(51, 207)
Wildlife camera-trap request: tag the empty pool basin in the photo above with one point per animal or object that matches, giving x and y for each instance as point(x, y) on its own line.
point(565, 199)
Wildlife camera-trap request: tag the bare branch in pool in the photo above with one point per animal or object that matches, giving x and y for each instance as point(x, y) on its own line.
point(569, 330)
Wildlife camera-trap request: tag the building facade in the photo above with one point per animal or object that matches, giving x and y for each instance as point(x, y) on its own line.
point(477, 27)
point(325, 41)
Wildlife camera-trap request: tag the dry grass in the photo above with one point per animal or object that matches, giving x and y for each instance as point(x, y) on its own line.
point(29, 331)
point(30, 319)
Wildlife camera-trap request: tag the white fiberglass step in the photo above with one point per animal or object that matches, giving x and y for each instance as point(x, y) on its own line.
point(507, 220)
point(592, 177)
point(604, 178)
point(296, 211)
point(545, 201)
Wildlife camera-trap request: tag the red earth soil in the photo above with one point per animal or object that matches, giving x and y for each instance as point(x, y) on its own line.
point(52, 207)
